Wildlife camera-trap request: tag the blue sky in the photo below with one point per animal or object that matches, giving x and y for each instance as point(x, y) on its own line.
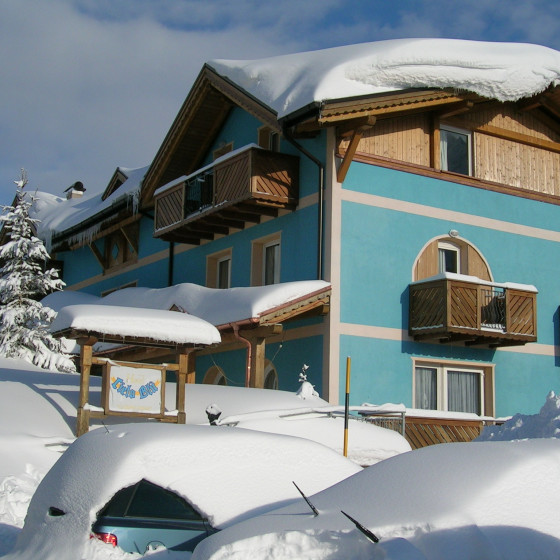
point(89, 85)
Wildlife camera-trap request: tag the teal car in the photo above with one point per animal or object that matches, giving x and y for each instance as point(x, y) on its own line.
point(146, 516)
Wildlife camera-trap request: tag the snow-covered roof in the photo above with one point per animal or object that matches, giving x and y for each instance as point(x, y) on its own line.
point(502, 71)
point(116, 322)
point(57, 214)
point(216, 306)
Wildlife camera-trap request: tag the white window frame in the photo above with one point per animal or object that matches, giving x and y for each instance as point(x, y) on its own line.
point(463, 132)
point(448, 246)
point(442, 370)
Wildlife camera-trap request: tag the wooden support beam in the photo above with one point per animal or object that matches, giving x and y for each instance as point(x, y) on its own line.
point(458, 109)
point(132, 240)
point(364, 124)
point(97, 254)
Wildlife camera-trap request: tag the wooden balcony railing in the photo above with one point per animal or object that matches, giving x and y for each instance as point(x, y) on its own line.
point(458, 308)
point(237, 189)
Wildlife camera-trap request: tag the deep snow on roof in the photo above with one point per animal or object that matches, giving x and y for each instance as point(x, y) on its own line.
point(502, 71)
point(216, 306)
point(126, 322)
point(57, 214)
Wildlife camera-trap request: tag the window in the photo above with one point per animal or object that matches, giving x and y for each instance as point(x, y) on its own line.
point(269, 139)
point(218, 269)
point(271, 263)
point(215, 376)
point(270, 376)
point(121, 248)
point(450, 254)
point(224, 273)
point(449, 257)
point(451, 387)
point(455, 154)
point(265, 268)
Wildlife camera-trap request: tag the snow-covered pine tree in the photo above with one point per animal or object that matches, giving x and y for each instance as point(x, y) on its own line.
point(24, 321)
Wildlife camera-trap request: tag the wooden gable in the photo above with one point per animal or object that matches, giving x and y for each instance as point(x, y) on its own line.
point(199, 120)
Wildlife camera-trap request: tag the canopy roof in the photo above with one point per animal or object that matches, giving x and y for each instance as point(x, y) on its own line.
point(151, 327)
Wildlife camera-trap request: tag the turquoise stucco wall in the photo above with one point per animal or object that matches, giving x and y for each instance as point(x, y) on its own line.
point(378, 250)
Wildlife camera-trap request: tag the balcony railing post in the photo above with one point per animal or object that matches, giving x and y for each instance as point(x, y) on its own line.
point(478, 307)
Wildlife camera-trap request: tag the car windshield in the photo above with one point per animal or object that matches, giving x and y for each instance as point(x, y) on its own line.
point(148, 500)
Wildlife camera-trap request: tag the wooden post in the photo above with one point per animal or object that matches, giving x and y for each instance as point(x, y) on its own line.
point(82, 416)
point(182, 372)
point(258, 347)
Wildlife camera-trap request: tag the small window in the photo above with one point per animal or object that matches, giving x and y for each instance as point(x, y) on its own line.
point(449, 257)
point(218, 269)
point(271, 263)
point(265, 267)
point(224, 273)
point(215, 376)
point(269, 139)
point(270, 376)
point(455, 154)
point(450, 388)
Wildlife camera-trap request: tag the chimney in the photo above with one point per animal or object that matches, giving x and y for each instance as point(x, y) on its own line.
point(75, 191)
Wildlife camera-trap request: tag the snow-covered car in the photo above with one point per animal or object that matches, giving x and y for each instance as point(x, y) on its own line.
point(224, 474)
point(482, 500)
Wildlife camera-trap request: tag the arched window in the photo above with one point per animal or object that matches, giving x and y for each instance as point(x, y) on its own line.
point(270, 376)
point(215, 376)
point(450, 254)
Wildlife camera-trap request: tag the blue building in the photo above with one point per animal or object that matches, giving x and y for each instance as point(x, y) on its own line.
point(430, 209)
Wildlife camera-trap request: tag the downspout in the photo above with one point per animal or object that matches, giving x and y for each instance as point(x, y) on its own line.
point(235, 328)
point(317, 162)
point(171, 263)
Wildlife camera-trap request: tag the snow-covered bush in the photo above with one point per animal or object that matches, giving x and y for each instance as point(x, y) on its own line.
point(24, 321)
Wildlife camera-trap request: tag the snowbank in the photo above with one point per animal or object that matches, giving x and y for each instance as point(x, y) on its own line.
point(227, 474)
point(502, 71)
point(545, 424)
point(465, 500)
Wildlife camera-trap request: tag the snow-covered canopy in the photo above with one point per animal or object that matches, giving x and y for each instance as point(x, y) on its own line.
point(125, 323)
point(227, 474)
point(218, 307)
point(502, 71)
point(462, 501)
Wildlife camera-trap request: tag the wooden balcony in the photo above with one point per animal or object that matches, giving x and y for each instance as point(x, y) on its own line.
point(236, 190)
point(465, 309)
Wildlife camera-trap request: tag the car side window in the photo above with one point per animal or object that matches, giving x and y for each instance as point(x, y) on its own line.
point(150, 500)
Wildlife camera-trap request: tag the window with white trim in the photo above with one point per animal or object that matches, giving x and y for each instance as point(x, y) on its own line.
point(449, 257)
point(224, 273)
point(271, 263)
point(218, 269)
point(455, 150)
point(450, 387)
point(265, 266)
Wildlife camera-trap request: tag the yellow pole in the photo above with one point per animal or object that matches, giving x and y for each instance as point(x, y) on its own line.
point(347, 406)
